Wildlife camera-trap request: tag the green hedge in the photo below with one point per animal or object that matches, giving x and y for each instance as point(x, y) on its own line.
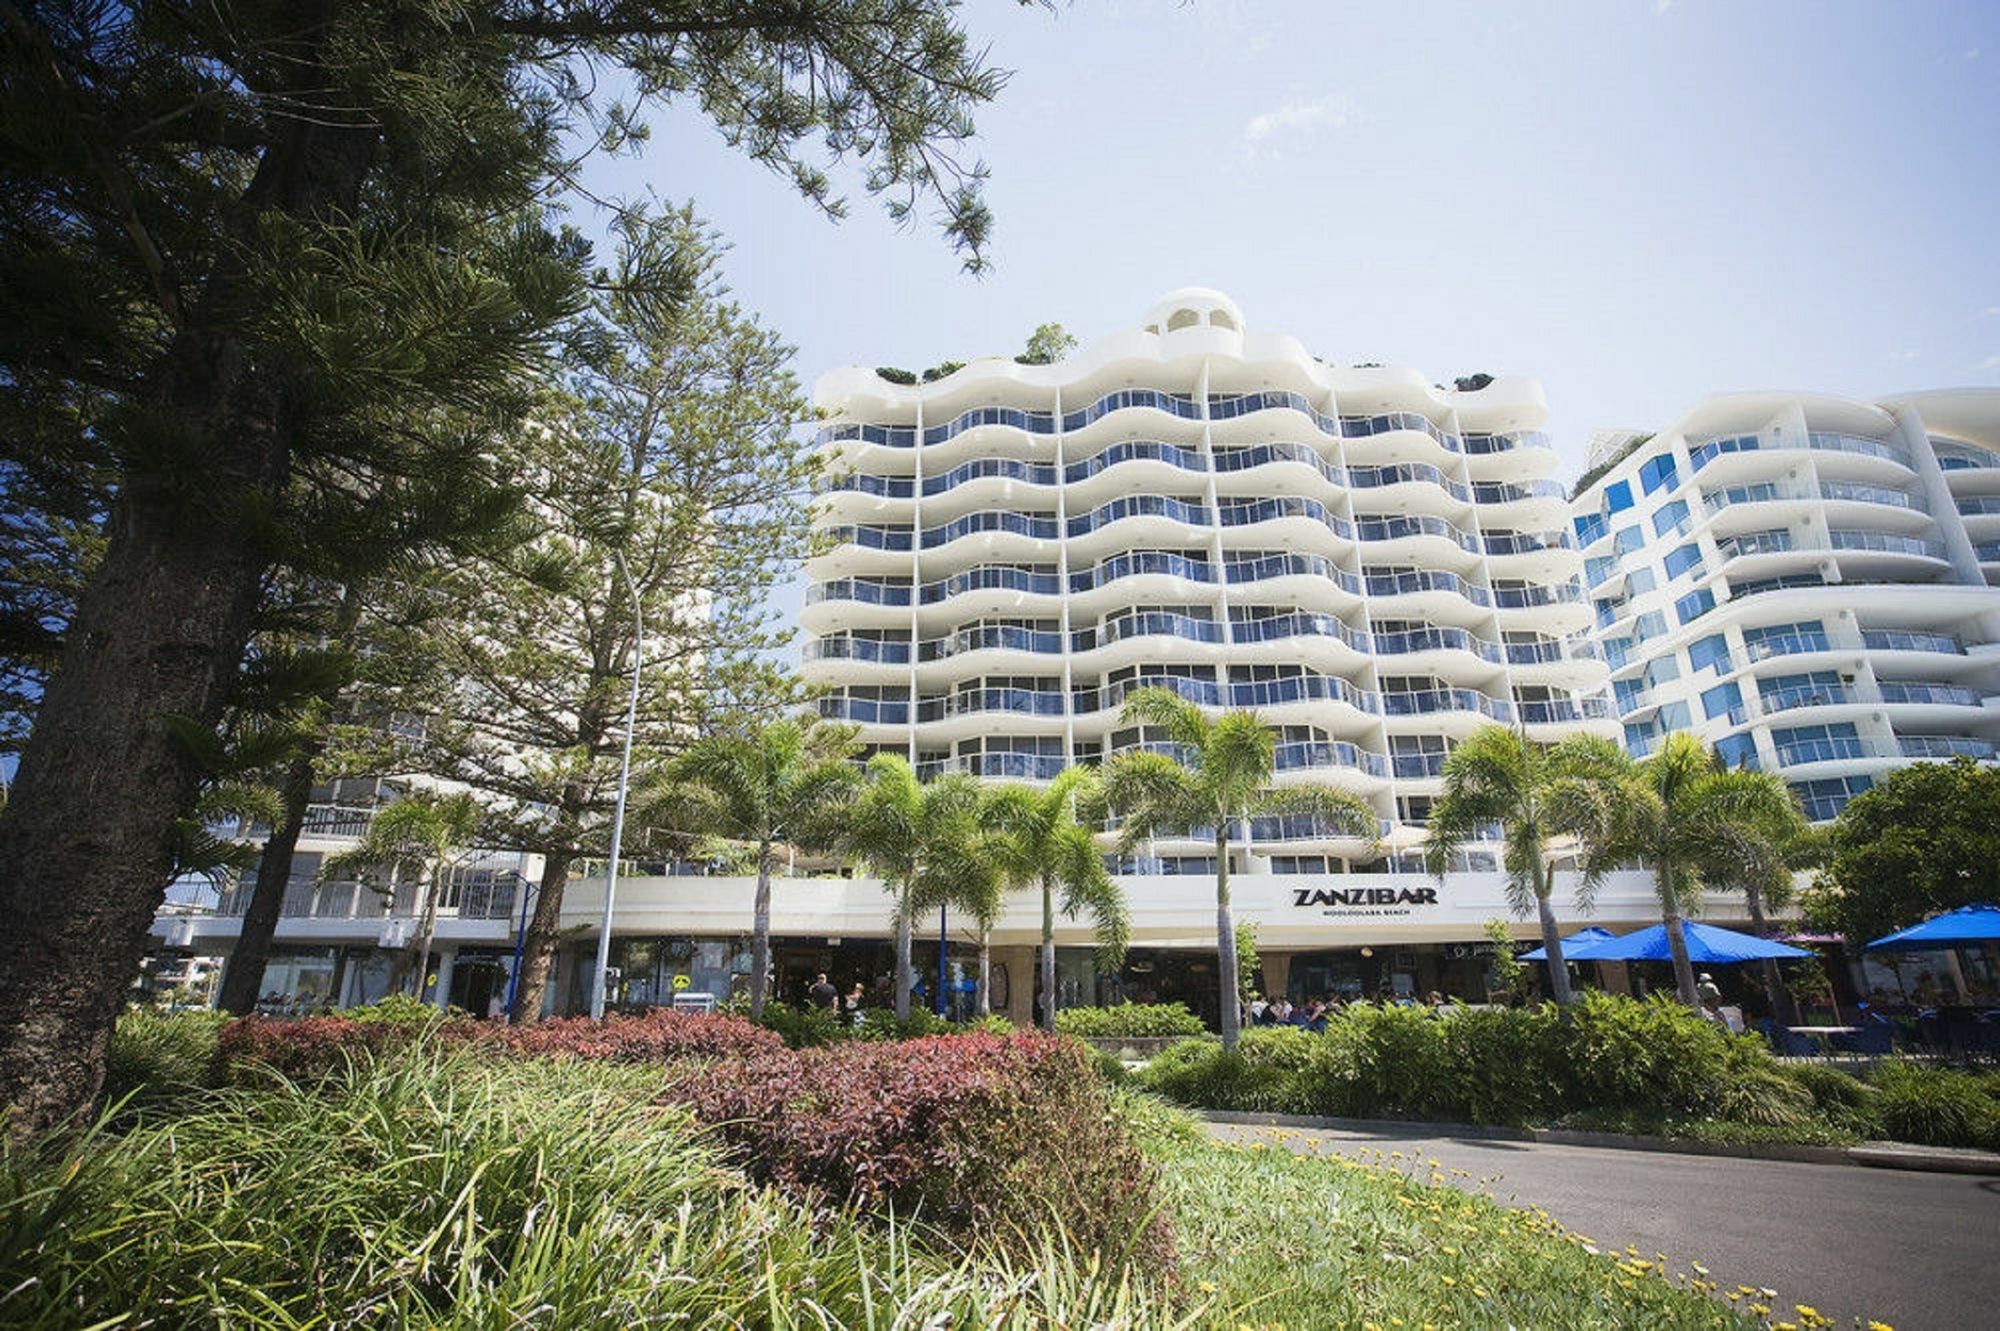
point(1499, 1065)
point(1130, 1021)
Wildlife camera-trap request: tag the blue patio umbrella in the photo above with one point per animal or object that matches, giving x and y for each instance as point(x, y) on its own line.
point(1706, 944)
point(1964, 927)
point(1577, 947)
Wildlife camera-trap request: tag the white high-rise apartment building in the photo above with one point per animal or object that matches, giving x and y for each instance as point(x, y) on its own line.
point(1376, 563)
point(1806, 581)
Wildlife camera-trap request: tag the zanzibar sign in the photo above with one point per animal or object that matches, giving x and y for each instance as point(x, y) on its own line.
point(1364, 897)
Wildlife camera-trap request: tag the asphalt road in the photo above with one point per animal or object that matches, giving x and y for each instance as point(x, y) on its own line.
point(1919, 1251)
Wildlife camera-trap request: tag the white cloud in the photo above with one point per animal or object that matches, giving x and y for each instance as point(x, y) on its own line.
point(1972, 54)
point(1662, 6)
point(1991, 362)
point(1991, 311)
point(1267, 130)
point(1904, 356)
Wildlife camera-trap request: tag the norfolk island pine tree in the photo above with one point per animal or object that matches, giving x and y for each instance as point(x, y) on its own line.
point(1224, 773)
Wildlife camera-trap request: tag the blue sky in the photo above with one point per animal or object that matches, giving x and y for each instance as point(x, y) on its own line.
point(1639, 203)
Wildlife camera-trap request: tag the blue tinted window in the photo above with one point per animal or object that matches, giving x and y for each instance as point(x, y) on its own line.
point(1710, 651)
point(1640, 581)
point(1737, 751)
point(1627, 691)
point(1617, 498)
point(1680, 559)
point(1589, 526)
point(1671, 518)
point(1674, 716)
point(1721, 700)
point(1637, 736)
point(1649, 625)
point(1825, 799)
point(1599, 567)
point(1628, 539)
point(1657, 472)
point(1694, 605)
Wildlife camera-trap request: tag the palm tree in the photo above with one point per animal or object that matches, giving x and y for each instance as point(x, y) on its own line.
point(1048, 843)
point(780, 786)
point(1531, 791)
point(422, 834)
point(1222, 773)
point(966, 873)
point(900, 828)
point(1764, 865)
point(1690, 820)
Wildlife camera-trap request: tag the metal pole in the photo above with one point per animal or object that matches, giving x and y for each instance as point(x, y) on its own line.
point(942, 1010)
point(528, 891)
point(597, 988)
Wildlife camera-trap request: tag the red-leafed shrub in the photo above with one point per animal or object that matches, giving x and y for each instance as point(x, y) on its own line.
point(991, 1138)
point(312, 1046)
point(657, 1037)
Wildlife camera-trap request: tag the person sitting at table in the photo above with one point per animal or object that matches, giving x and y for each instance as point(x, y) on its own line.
point(1280, 1010)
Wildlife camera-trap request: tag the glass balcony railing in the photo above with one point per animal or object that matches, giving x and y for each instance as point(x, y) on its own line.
point(1855, 492)
point(1837, 749)
point(1527, 598)
point(1139, 562)
point(1507, 492)
point(1001, 766)
point(1417, 766)
point(1963, 457)
point(871, 538)
point(1536, 653)
point(1524, 542)
point(1033, 422)
point(1260, 568)
point(1174, 404)
point(1147, 623)
point(888, 436)
point(1541, 711)
point(1141, 506)
point(1135, 450)
point(970, 702)
point(1306, 755)
point(1952, 695)
point(1437, 639)
point(1807, 695)
point(1402, 473)
point(1304, 827)
point(864, 711)
point(1303, 688)
point(1224, 407)
point(1361, 427)
point(871, 650)
point(1032, 473)
point(994, 577)
point(1109, 697)
point(1886, 542)
point(1755, 543)
point(1907, 640)
point(864, 590)
point(992, 637)
point(1402, 528)
point(1425, 701)
point(1243, 458)
point(1784, 644)
point(1476, 443)
point(1248, 512)
point(1298, 624)
point(1001, 521)
point(1943, 747)
point(1830, 442)
point(1978, 506)
point(1986, 552)
point(1425, 580)
point(882, 487)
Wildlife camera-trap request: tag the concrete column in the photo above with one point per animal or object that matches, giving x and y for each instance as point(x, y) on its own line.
point(1277, 972)
point(441, 964)
point(1020, 964)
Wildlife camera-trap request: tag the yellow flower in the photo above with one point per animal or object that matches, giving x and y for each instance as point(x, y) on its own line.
point(1448, 1280)
point(1209, 1287)
point(1477, 1292)
point(1760, 1310)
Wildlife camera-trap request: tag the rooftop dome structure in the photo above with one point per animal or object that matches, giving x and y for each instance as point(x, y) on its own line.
point(1193, 307)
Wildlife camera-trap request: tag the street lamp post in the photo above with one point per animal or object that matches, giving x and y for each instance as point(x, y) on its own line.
point(597, 990)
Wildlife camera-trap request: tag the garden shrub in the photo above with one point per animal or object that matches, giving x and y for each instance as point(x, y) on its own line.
point(399, 1010)
point(1403, 1073)
point(1615, 1053)
point(659, 1036)
point(155, 1057)
point(802, 1027)
point(1302, 1072)
point(1935, 1106)
point(882, 1024)
point(1497, 1062)
point(992, 1139)
point(1841, 1099)
point(1130, 1021)
point(302, 1048)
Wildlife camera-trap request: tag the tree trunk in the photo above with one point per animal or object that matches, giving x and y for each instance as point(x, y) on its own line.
point(982, 1005)
point(1225, 942)
point(1783, 1010)
point(1048, 955)
point(159, 632)
point(427, 895)
point(1677, 944)
point(760, 934)
point(540, 947)
point(243, 974)
point(1552, 943)
point(903, 957)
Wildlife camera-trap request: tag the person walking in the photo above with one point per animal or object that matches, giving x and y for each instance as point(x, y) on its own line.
point(824, 995)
